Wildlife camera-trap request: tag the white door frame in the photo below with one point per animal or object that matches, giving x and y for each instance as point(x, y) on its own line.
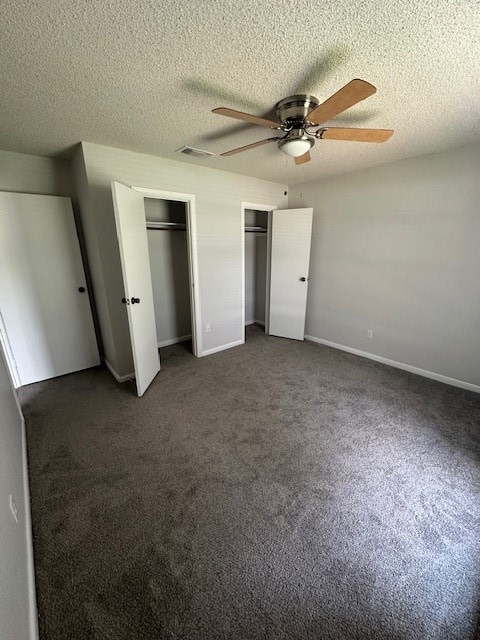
point(8, 353)
point(257, 207)
point(191, 227)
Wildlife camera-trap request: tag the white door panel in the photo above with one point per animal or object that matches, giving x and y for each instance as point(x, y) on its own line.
point(291, 232)
point(133, 243)
point(47, 324)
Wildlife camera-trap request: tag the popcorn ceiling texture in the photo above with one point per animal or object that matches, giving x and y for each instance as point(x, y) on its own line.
point(145, 75)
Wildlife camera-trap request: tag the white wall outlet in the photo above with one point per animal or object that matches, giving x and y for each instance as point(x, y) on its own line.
point(370, 334)
point(13, 508)
point(208, 327)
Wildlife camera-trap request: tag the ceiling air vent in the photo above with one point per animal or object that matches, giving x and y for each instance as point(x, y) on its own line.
point(196, 153)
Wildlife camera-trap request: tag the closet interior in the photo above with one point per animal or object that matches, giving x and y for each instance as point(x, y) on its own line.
point(256, 227)
point(166, 222)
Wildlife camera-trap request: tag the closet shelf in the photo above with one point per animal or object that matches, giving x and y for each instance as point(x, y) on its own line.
point(166, 226)
point(256, 229)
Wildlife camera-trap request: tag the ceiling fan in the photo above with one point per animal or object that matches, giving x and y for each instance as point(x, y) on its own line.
point(298, 115)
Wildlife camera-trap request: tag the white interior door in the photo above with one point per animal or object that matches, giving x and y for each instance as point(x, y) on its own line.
point(137, 279)
point(290, 239)
point(46, 322)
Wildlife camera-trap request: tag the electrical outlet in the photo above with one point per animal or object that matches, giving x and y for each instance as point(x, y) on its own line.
point(208, 327)
point(13, 508)
point(370, 334)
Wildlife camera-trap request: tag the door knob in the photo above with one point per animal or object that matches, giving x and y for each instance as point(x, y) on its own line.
point(81, 289)
point(303, 279)
point(135, 300)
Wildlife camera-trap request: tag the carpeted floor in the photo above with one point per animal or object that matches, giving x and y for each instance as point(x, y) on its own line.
point(278, 490)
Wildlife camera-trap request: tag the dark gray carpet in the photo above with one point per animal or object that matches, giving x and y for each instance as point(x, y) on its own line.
point(278, 490)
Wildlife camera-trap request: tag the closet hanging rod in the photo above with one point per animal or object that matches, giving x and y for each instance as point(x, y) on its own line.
point(166, 226)
point(256, 229)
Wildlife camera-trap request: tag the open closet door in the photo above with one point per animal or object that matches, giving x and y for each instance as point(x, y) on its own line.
point(137, 280)
point(291, 232)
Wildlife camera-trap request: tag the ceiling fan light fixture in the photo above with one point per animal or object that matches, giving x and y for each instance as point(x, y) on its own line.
point(295, 147)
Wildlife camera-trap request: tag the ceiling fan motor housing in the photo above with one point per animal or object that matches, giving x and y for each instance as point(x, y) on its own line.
point(293, 111)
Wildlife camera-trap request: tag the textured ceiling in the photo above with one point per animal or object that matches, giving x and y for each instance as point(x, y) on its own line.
point(144, 76)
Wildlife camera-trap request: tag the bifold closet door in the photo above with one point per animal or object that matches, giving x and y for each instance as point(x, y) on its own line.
point(291, 233)
point(46, 320)
point(137, 280)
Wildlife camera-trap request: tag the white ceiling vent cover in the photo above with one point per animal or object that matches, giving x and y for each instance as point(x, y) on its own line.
point(196, 153)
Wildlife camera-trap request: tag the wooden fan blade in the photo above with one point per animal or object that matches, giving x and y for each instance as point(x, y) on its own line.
point(356, 135)
point(302, 159)
point(247, 117)
point(352, 93)
point(247, 147)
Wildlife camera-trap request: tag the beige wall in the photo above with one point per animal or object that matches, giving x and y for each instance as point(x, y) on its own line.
point(396, 249)
point(218, 197)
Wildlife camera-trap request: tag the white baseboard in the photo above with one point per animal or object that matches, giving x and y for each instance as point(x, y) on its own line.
point(32, 598)
point(167, 343)
point(118, 378)
point(209, 352)
point(255, 322)
point(399, 365)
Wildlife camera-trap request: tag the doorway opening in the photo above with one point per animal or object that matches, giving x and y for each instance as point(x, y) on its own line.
point(170, 224)
point(168, 252)
point(256, 222)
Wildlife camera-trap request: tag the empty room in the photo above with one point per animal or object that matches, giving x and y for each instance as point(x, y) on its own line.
point(240, 320)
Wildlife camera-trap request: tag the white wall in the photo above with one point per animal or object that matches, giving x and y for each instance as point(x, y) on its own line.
point(218, 196)
point(34, 174)
point(396, 249)
point(17, 594)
